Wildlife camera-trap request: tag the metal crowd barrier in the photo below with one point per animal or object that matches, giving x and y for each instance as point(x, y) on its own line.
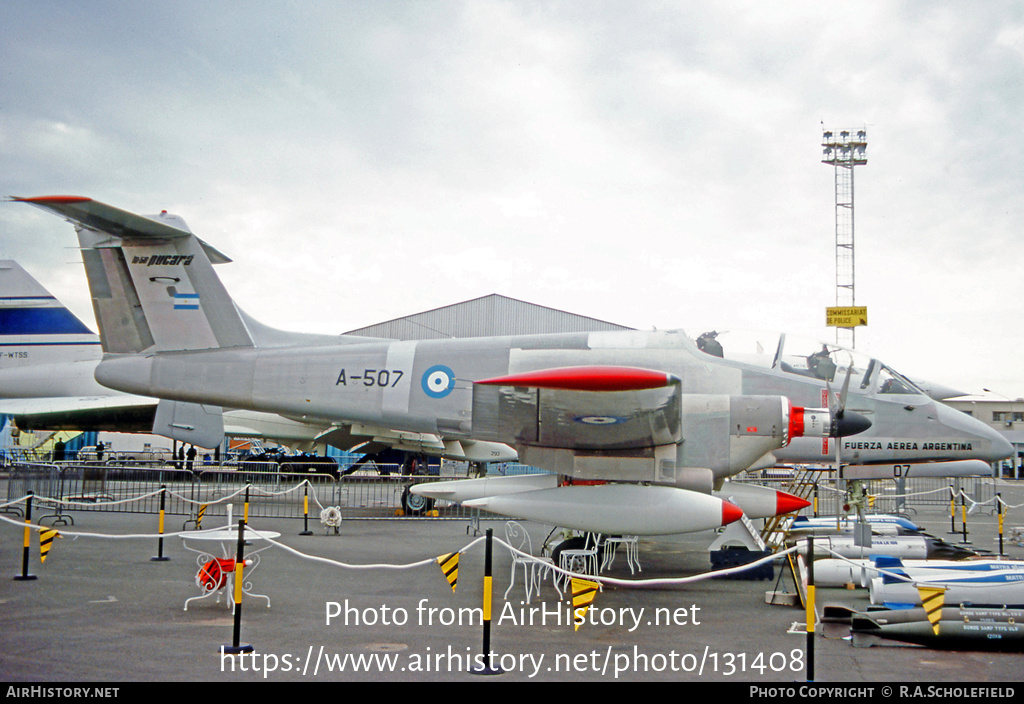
point(272, 490)
point(890, 496)
point(266, 490)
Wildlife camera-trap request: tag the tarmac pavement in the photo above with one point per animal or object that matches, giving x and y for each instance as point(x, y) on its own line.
point(371, 603)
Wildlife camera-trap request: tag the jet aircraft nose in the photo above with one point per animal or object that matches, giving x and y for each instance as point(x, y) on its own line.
point(989, 445)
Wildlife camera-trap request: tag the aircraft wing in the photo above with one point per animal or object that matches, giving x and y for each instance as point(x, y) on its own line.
point(370, 439)
point(85, 413)
point(580, 408)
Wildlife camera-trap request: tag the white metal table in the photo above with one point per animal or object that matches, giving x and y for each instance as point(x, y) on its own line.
point(216, 574)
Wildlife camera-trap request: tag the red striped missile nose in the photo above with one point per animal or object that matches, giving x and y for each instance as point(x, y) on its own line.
point(787, 503)
point(730, 513)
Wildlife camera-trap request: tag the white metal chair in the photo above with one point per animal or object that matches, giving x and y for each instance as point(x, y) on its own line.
point(581, 560)
point(629, 543)
point(535, 569)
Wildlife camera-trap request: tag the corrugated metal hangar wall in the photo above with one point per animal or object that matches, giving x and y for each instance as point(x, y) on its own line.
point(485, 316)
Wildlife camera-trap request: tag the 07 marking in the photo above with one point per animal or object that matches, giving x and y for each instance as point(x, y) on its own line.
point(370, 377)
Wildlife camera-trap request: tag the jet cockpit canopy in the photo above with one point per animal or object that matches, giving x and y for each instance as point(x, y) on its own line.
point(802, 356)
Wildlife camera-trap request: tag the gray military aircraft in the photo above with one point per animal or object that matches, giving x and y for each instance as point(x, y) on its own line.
point(48, 360)
point(912, 433)
point(650, 416)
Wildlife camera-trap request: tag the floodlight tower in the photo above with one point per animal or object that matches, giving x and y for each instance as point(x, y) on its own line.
point(845, 151)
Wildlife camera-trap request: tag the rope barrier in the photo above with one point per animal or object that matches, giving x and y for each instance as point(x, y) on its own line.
point(160, 535)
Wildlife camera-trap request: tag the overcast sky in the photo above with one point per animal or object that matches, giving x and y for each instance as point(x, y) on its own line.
point(652, 164)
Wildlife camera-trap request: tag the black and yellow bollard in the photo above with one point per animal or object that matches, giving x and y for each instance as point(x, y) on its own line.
point(963, 517)
point(25, 576)
point(811, 612)
point(952, 511)
point(160, 541)
point(305, 510)
point(487, 666)
point(999, 507)
point(236, 646)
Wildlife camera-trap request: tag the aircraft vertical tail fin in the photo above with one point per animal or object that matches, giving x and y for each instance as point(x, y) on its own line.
point(36, 328)
point(152, 281)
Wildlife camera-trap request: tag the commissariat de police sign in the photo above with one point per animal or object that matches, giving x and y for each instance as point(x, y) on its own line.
point(846, 317)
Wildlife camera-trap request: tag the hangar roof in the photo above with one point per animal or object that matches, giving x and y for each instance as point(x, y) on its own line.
point(485, 316)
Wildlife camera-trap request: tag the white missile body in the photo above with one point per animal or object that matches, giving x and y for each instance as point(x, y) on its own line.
point(462, 490)
point(994, 587)
point(760, 501)
point(880, 523)
point(903, 546)
point(949, 468)
point(620, 509)
point(937, 569)
point(836, 572)
point(755, 501)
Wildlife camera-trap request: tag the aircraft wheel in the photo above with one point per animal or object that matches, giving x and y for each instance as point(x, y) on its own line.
point(414, 504)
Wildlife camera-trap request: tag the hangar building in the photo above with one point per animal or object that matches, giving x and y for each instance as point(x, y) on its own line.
point(485, 316)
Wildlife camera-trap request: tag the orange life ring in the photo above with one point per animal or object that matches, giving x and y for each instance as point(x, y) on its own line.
point(214, 574)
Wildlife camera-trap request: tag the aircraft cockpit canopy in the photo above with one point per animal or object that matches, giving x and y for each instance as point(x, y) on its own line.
point(805, 357)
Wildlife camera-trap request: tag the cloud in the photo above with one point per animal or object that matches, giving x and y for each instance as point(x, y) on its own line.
point(649, 164)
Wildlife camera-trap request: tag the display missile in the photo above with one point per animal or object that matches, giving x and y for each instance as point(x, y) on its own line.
point(998, 587)
point(619, 509)
point(880, 523)
point(462, 490)
point(950, 468)
point(760, 501)
point(959, 628)
point(839, 572)
point(917, 547)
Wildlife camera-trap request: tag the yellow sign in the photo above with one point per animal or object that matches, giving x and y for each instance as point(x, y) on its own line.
point(846, 317)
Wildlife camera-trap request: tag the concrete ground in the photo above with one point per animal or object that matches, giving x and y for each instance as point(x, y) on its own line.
point(370, 603)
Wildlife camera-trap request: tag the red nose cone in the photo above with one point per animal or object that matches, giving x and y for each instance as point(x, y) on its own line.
point(730, 513)
point(787, 503)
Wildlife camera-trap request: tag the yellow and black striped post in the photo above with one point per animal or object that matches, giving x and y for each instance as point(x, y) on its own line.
point(160, 541)
point(963, 515)
point(811, 614)
point(245, 508)
point(999, 507)
point(487, 667)
point(952, 511)
point(25, 576)
point(236, 646)
point(305, 509)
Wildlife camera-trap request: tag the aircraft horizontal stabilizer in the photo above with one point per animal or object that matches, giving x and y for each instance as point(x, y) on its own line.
point(190, 422)
point(119, 223)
